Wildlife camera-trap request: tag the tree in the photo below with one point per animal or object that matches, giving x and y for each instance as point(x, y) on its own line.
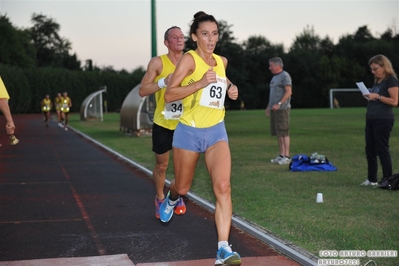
point(303, 64)
point(258, 50)
point(363, 34)
point(307, 40)
point(52, 50)
point(15, 47)
point(359, 47)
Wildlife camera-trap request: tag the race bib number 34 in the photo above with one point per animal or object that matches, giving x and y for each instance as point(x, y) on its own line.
point(214, 94)
point(173, 110)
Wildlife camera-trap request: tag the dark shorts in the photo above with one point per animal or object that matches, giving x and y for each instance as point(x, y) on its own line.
point(161, 139)
point(280, 123)
point(198, 139)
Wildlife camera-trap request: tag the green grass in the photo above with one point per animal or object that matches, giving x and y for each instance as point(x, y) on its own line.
point(283, 202)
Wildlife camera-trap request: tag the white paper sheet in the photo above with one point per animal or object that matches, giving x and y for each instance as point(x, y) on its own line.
point(362, 88)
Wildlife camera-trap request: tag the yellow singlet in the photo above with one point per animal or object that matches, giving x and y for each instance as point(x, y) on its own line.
point(159, 117)
point(205, 108)
point(46, 105)
point(3, 90)
point(58, 103)
point(65, 103)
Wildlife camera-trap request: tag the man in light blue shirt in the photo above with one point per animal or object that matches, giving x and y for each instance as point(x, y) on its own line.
point(278, 109)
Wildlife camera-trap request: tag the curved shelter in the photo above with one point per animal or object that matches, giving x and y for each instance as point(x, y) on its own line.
point(92, 106)
point(137, 112)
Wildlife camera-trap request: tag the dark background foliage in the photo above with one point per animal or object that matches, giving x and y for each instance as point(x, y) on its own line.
point(37, 61)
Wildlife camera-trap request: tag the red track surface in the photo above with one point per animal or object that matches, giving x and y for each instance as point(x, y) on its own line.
point(65, 201)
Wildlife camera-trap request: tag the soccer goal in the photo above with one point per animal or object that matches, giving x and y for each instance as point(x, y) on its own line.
point(346, 97)
point(92, 107)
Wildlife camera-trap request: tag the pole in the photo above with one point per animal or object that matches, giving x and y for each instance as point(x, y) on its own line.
point(153, 30)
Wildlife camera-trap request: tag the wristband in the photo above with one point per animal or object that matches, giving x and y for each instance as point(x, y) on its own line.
point(161, 83)
point(228, 87)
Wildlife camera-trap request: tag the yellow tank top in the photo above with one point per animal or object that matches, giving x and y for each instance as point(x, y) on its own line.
point(3, 90)
point(58, 101)
point(46, 105)
point(65, 103)
point(159, 116)
point(205, 108)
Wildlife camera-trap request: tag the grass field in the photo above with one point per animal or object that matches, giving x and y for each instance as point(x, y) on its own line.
point(351, 217)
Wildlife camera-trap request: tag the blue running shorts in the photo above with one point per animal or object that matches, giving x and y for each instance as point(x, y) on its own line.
point(198, 139)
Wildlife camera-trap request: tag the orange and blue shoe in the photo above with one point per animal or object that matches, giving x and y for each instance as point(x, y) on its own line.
point(180, 208)
point(157, 205)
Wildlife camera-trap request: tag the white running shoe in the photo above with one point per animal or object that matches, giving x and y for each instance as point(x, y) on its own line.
point(284, 160)
point(276, 160)
point(368, 183)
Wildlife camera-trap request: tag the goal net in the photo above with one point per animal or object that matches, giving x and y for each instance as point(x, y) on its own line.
point(346, 97)
point(92, 107)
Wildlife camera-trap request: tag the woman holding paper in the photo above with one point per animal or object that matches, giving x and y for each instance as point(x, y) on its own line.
point(380, 117)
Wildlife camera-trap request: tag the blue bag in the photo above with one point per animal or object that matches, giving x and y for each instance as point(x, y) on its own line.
point(302, 163)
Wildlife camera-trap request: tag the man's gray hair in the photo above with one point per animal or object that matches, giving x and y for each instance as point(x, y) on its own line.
point(166, 35)
point(277, 61)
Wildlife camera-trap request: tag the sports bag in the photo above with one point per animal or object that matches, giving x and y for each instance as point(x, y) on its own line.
point(390, 182)
point(316, 162)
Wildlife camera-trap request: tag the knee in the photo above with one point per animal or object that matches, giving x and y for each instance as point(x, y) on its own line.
point(222, 187)
point(181, 190)
point(161, 167)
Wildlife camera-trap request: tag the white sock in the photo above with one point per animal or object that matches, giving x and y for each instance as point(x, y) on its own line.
point(173, 202)
point(224, 244)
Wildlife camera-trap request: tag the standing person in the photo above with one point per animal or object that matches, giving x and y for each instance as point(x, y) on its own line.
point(166, 116)
point(46, 105)
point(66, 105)
point(200, 82)
point(278, 109)
point(380, 118)
point(5, 109)
point(57, 103)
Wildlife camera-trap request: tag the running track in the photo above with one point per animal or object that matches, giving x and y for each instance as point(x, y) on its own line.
point(67, 201)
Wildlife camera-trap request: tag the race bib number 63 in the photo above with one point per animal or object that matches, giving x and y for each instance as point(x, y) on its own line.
point(214, 94)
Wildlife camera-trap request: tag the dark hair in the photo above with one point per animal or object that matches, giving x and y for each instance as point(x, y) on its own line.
point(165, 36)
point(200, 17)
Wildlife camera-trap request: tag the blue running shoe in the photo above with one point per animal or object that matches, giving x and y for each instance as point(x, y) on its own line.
point(166, 210)
point(180, 208)
point(225, 256)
